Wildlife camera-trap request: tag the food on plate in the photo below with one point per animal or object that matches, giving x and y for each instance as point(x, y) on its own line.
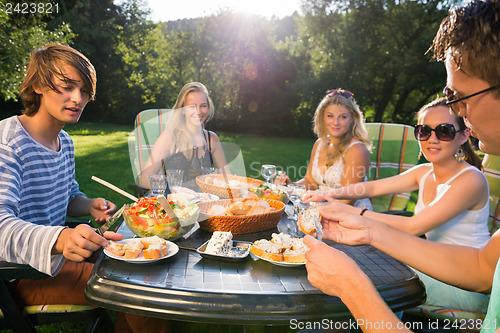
point(155, 251)
point(297, 252)
point(146, 217)
point(245, 207)
point(153, 240)
point(133, 249)
point(220, 243)
point(294, 256)
point(115, 248)
point(187, 194)
point(151, 248)
point(264, 191)
point(268, 250)
point(308, 220)
point(281, 247)
point(282, 239)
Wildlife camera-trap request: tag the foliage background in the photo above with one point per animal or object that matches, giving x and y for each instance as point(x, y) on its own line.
point(266, 76)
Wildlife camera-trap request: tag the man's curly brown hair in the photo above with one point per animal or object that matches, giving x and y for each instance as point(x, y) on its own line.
point(471, 35)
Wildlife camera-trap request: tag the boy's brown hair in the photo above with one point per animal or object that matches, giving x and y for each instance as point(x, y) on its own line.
point(44, 65)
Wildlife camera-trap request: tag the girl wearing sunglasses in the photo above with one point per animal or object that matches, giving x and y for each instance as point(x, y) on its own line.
point(340, 156)
point(453, 199)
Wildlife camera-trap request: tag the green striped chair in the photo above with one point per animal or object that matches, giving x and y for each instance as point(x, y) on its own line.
point(395, 150)
point(491, 168)
point(148, 126)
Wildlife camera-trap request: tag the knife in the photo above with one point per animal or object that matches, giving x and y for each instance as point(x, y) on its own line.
point(113, 222)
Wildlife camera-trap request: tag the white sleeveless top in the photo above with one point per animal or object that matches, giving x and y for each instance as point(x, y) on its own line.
point(332, 178)
point(469, 228)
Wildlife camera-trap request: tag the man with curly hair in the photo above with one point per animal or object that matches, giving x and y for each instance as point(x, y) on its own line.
point(468, 42)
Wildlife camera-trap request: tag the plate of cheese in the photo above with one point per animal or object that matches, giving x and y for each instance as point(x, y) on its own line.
point(221, 246)
point(141, 250)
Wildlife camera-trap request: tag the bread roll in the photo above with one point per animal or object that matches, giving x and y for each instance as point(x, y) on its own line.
point(217, 210)
point(267, 250)
point(308, 220)
point(294, 256)
point(115, 248)
point(155, 251)
point(282, 239)
point(153, 240)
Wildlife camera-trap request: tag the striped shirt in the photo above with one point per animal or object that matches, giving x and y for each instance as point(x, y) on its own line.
point(36, 185)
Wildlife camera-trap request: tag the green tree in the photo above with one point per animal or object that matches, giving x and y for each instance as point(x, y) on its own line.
point(19, 35)
point(376, 48)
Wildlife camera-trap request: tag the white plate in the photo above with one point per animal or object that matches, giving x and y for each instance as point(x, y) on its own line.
point(281, 263)
point(171, 247)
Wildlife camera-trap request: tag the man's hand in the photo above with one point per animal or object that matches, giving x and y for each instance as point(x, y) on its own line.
point(330, 270)
point(101, 209)
point(81, 242)
point(346, 228)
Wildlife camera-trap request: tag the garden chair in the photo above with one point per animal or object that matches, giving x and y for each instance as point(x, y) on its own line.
point(395, 150)
point(148, 126)
point(14, 315)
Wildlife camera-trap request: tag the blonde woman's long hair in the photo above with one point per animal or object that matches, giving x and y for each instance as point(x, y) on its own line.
point(177, 123)
point(357, 131)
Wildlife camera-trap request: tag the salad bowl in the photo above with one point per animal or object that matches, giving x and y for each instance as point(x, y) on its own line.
point(146, 218)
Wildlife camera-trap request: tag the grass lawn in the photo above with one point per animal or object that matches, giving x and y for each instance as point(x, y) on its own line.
point(102, 150)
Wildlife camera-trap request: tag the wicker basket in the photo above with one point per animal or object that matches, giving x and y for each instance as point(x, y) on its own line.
point(222, 191)
point(239, 224)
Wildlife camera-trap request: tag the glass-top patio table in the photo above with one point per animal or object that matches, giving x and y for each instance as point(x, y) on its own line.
point(187, 287)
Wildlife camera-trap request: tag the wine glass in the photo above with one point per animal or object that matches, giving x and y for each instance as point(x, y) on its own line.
point(268, 171)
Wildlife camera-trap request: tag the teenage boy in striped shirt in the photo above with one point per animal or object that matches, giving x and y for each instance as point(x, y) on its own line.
point(38, 187)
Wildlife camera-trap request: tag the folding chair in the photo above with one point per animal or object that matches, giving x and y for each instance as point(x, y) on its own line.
point(491, 169)
point(395, 150)
point(148, 126)
point(14, 315)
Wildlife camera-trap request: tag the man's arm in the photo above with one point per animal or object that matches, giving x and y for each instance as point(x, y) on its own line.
point(465, 267)
point(334, 273)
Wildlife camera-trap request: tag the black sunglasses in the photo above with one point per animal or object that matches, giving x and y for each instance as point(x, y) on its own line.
point(457, 105)
point(444, 132)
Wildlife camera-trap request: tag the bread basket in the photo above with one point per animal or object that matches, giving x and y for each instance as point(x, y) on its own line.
point(205, 182)
point(239, 224)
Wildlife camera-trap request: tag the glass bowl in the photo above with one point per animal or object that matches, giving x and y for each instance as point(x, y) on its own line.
point(164, 228)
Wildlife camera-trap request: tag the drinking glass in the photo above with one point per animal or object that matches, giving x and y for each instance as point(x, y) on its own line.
point(158, 184)
point(175, 178)
point(208, 170)
point(268, 171)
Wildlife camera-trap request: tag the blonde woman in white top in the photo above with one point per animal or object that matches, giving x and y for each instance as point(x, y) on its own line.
point(340, 156)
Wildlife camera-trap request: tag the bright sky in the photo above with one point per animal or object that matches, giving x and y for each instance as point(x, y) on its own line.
point(170, 10)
